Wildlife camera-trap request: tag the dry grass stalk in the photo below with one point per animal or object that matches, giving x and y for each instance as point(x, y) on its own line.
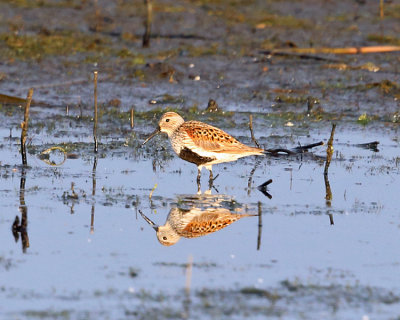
point(132, 118)
point(24, 126)
point(329, 150)
point(252, 133)
point(147, 26)
point(348, 50)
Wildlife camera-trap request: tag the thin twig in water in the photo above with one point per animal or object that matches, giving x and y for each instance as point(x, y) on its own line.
point(369, 145)
point(251, 131)
point(329, 150)
point(24, 126)
point(132, 117)
point(95, 114)
point(295, 151)
point(328, 191)
point(302, 149)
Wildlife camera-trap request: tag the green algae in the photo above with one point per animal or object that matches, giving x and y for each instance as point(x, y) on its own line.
point(291, 99)
point(35, 47)
point(282, 21)
point(385, 87)
point(392, 10)
point(133, 58)
point(364, 119)
point(48, 314)
point(31, 4)
point(384, 39)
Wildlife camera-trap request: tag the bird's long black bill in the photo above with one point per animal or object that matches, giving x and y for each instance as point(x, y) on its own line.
point(155, 227)
point(156, 132)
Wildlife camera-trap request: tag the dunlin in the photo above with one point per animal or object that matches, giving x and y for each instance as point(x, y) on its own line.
point(201, 143)
point(193, 223)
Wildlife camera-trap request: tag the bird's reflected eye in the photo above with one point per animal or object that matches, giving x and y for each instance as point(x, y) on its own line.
point(164, 238)
point(166, 120)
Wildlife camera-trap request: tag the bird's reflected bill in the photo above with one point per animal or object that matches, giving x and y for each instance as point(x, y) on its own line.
point(155, 227)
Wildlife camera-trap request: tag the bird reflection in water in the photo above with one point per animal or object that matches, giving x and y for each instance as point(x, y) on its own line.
point(194, 222)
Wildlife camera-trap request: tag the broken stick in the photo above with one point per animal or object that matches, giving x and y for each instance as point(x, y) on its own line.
point(24, 126)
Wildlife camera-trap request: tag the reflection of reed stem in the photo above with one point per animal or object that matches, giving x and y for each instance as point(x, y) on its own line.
point(95, 114)
point(189, 267)
point(252, 133)
point(147, 26)
point(93, 194)
point(92, 220)
point(24, 126)
point(331, 219)
point(328, 191)
point(186, 301)
point(22, 228)
point(259, 226)
point(152, 190)
point(249, 182)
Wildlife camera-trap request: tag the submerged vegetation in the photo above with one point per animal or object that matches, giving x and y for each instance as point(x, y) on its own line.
point(46, 43)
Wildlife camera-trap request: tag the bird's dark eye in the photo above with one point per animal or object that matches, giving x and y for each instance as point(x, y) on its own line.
point(166, 120)
point(164, 238)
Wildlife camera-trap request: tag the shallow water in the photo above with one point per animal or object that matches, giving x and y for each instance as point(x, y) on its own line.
point(115, 264)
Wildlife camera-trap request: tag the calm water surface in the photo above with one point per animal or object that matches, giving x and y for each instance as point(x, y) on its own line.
point(117, 264)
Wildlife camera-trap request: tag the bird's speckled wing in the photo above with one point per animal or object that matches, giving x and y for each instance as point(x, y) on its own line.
point(212, 139)
point(209, 222)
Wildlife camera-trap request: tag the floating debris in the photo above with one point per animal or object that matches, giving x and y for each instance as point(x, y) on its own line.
point(369, 145)
point(212, 106)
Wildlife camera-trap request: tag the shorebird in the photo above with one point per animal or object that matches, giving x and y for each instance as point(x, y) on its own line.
point(193, 223)
point(201, 143)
